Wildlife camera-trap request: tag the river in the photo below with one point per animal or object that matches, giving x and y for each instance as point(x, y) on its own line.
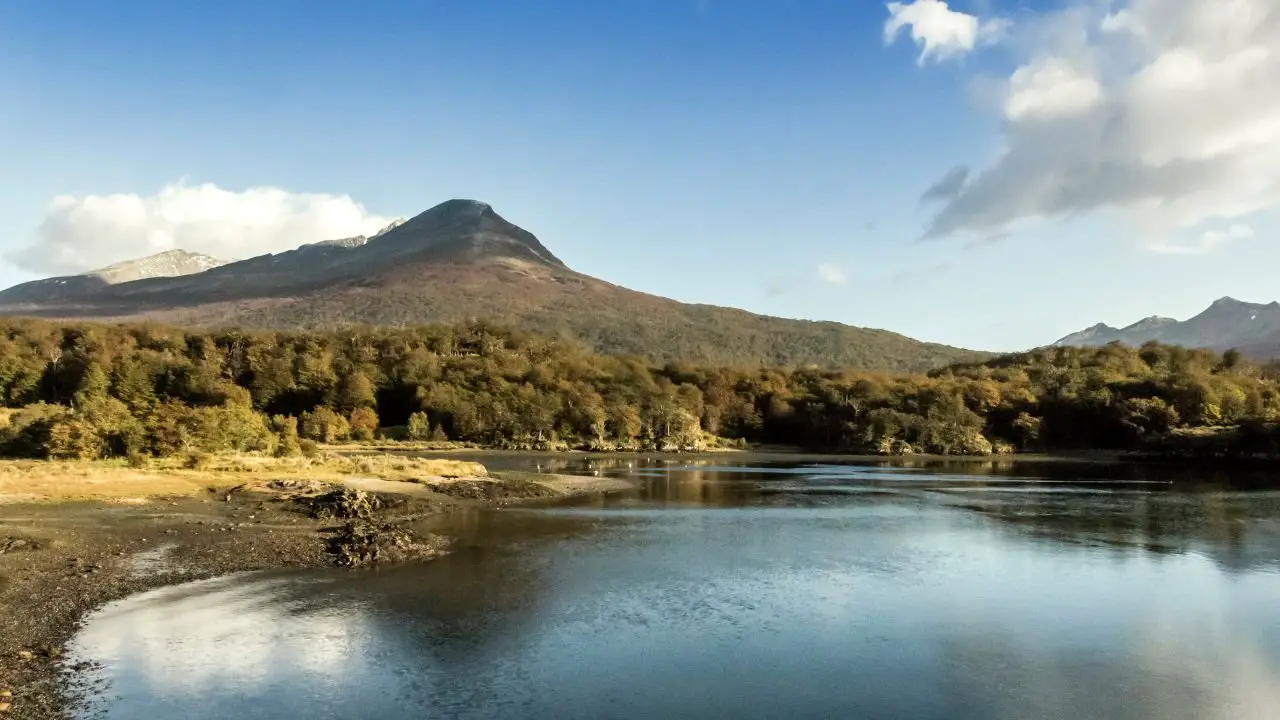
point(723, 590)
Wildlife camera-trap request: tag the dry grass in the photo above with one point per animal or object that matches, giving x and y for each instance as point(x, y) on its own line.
point(36, 480)
point(399, 467)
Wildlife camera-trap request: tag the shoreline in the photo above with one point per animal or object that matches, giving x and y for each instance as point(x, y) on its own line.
point(62, 560)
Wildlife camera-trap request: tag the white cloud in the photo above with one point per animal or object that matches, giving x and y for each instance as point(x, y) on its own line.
point(1122, 21)
point(90, 231)
point(1050, 88)
point(940, 31)
point(1163, 112)
point(1208, 241)
point(831, 273)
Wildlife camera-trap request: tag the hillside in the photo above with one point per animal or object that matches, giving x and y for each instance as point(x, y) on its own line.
point(1252, 328)
point(461, 261)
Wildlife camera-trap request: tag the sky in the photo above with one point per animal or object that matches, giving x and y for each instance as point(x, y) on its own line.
point(991, 174)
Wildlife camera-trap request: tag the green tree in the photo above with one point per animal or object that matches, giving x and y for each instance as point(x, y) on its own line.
point(356, 391)
point(324, 425)
point(287, 442)
point(94, 385)
point(419, 426)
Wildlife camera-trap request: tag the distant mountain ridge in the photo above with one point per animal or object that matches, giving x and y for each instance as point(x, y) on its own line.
point(1252, 328)
point(460, 261)
point(170, 263)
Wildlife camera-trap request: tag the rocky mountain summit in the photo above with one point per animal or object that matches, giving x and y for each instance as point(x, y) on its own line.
point(171, 263)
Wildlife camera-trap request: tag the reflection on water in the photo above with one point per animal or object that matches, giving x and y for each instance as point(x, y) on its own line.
point(754, 592)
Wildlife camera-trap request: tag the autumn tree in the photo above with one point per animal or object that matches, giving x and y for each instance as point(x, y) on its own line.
point(363, 423)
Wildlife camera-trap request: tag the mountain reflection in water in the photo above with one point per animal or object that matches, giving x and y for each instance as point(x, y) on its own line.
point(929, 591)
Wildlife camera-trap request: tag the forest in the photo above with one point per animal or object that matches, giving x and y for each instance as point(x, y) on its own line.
point(87, 391)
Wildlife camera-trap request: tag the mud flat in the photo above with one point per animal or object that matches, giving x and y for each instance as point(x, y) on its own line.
point(73, 537)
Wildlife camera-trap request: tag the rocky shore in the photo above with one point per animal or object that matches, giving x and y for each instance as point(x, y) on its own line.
point(60, 561)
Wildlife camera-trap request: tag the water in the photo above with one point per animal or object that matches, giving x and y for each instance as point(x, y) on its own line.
point(754, 592)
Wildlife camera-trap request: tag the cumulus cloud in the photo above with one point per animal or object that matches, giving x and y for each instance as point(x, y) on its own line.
point(831, 273)
point(1164, 112)
point(1050, 88)
point(939, 31)
point(82, 233)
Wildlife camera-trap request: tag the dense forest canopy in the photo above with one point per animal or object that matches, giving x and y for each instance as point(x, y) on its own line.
point(89, 391)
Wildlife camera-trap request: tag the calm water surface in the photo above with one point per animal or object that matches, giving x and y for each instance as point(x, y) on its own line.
point(821, 591)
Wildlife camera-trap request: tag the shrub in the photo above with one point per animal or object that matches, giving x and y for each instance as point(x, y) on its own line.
point(419, 426)
point(73, 439)
point(286, 428)
point(232, 427)
point(324, 425)
point(309, 448)
point(120, 431)
point(29, 430)
point(197, 460)
point(364, 424)
point(171, 428)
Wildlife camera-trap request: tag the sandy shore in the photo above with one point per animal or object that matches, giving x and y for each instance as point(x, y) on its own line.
point(61, 559)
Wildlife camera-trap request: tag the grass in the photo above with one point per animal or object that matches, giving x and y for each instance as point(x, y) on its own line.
point(116, 480)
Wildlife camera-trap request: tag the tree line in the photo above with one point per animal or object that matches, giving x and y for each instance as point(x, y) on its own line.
point(94, 390)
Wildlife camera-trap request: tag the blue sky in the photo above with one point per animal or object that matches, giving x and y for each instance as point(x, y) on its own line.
point(769, 155)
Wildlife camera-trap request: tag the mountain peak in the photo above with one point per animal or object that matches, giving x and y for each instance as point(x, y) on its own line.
point(1154, 322)
point(170, 263)
point(1093, 335)
point(392, 226)
point(1226, 323)
point(467, 230)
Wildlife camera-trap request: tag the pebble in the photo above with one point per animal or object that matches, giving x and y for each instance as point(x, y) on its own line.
point(4, 707)
point(25, 655)
point(6, 694)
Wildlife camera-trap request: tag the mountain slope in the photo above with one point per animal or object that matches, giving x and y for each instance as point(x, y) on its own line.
point(1227, 323)
point(461, 261)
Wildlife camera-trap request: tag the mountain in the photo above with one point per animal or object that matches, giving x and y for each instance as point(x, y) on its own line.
point(171, 263)
point(1228, 323)
point(461, 261)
